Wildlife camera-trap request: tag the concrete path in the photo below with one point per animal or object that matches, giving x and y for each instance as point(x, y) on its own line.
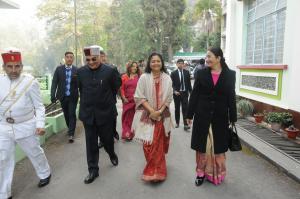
point(249, 176)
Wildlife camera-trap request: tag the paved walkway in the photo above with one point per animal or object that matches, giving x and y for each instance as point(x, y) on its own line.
point(249, 176)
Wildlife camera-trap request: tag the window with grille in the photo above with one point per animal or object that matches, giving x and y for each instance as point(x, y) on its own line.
point(265, 31)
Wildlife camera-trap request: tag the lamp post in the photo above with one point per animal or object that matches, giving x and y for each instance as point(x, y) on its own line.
point(75, 30)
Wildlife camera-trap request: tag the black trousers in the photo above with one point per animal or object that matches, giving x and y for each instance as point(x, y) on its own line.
point(182, 100)
point(68, 106)
point(92, 132)
point(115, 121)
point(115, 125)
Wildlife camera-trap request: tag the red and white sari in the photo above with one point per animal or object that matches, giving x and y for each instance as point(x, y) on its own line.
point(155, 135)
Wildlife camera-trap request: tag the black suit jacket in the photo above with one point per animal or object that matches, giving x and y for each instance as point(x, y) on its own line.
point(58, 86)
point(213, 106)
point(116, 69)
point(98, 89)
point(176, 80)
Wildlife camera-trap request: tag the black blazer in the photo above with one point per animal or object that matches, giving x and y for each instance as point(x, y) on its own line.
point(98, 89)
point(176, 80)
point(212, 105)
point(58, 86)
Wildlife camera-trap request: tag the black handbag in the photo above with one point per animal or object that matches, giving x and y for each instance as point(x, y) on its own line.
point(234, 140)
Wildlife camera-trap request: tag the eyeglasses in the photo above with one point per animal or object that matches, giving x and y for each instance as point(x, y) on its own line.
point(93, 59)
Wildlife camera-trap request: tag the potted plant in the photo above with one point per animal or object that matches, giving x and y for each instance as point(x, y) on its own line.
point(258, 117)
point(287, 119)
point(292, 132)
point(244, 108)
point(275, 119)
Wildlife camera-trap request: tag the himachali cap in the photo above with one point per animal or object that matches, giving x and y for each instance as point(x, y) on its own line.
point(11, 55)
point(92, 50)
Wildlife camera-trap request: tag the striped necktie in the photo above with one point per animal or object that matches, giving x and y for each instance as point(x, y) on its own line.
point(68, 81)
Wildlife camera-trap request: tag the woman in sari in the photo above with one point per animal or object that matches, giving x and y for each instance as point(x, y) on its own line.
point(152, 122)
point(129, 83)
point(212, 106)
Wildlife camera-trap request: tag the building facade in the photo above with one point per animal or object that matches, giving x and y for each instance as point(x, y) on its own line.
point(260, 40)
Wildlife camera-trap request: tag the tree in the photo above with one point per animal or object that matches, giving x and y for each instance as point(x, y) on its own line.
point(130, 40)
point(128, 29)
point(200, 43)
point(185, 32)
point(210, 13)
point(59, 15)
point(162, 18)
point(28, 41)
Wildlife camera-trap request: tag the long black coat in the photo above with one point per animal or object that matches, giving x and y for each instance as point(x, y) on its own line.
point(98, 89)
point(58, 86)
point(212, 105)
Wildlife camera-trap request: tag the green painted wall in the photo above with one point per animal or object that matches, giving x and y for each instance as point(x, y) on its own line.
point(57, 123)
point(45, 89)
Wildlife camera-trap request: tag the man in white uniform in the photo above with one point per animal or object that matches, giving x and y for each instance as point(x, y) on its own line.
point(22, 120)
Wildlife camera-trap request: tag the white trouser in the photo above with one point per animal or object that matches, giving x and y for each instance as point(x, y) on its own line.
point(31, 146)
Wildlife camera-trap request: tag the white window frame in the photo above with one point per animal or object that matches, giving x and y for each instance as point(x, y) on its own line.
point(254, 21)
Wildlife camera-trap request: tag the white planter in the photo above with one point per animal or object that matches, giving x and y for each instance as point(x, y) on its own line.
point(276, 126)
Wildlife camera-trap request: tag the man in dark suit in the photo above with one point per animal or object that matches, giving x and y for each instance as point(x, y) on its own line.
point(98, 84)
point(199, 67)
point(64, 88)
point(181, 87)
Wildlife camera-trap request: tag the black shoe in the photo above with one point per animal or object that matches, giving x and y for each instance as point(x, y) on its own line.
point(71, 139)
point(10, 197)
point(100, 145)
point(114, 159)
point(199, 180)
point(177, 126)
point(116, 136)
point(90, 178)
point(186, 128)
point(44, 182)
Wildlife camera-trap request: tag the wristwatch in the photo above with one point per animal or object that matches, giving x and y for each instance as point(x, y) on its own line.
point(160, 111)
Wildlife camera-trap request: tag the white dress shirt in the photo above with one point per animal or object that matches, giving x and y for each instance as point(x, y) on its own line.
point(179, 73)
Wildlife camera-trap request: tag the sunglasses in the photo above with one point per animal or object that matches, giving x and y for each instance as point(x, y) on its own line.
point(93, 59)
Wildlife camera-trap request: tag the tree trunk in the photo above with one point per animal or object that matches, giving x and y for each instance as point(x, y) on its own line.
point(207, 40)
point(161, 43)
point(170, 52)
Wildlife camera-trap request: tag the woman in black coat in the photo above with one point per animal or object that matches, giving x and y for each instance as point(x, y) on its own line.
point(212, 105)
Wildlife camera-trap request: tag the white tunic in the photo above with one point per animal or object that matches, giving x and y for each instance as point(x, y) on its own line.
point(29, 114)
point(29, 105)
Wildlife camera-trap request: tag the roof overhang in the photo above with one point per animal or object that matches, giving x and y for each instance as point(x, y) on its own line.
point(7, 4)
point(189, 56)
